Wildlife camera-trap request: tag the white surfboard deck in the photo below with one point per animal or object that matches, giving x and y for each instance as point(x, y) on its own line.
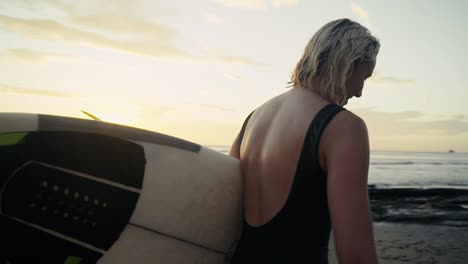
point(189, 208)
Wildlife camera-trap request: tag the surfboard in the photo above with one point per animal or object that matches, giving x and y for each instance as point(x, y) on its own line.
point(85, 191)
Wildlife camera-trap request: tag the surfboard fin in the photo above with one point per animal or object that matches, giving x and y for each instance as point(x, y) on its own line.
point(91, 115)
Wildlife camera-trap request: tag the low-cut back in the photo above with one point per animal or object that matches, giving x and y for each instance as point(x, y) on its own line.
point(299, 232)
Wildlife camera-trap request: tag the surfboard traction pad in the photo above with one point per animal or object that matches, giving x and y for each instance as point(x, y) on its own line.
point(36, 192)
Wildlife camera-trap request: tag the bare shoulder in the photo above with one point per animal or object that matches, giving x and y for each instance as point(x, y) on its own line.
point(345, 134)
point(347, 121)
point(345, 144)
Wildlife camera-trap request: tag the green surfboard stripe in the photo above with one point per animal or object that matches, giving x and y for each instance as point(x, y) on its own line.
point(11, 138)
point(72, 260)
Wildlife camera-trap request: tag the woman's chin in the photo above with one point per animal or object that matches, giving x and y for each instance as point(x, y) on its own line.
point(345, 102)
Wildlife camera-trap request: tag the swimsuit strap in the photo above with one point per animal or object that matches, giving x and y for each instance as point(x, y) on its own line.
point(241, 134)
point(315, 131)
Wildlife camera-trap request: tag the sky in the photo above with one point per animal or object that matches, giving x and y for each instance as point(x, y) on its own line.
point(195, 69)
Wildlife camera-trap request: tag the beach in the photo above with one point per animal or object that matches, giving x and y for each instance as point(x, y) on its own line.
point(418, 225)
point(419, 206)
point(417, 243)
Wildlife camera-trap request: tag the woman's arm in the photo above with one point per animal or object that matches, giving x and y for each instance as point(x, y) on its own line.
point(345, 147)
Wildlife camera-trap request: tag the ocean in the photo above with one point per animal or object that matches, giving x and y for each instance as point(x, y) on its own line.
point(416, 187)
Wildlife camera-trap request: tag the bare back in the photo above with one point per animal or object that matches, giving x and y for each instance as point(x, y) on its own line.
point(270, 151)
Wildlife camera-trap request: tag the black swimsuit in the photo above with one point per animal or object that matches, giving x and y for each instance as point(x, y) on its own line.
point(300, 231)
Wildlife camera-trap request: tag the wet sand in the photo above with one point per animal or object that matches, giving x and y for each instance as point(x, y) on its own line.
point(417, 243)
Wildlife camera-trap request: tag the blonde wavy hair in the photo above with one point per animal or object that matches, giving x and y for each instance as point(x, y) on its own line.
point(331, 55)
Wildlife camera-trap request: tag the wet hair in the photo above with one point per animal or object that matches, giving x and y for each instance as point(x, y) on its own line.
point(331, 55)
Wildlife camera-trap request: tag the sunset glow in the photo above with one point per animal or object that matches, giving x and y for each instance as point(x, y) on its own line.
point(196, 69)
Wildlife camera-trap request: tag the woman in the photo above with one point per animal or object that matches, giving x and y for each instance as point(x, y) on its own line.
point(305, 161)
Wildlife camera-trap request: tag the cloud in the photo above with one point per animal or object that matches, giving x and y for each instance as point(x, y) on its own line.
point(378, 79)
point(125, 24)
point(149, 39)
point(132, 32)
point(119, 15)
point(244, 4)
point(281, 3)
point(415, 131)
point(451, 126)
point(461, 117)
point(32, 55)
point(236, 77)
point(236, 59)
point(29, 91)
point(361, 13)
point(61, 5)
point(411, 123)
point(214, 18)
point(79, 7)
point(256, 4)
point(52, 30)
point(216, 107)
point(213, 55)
